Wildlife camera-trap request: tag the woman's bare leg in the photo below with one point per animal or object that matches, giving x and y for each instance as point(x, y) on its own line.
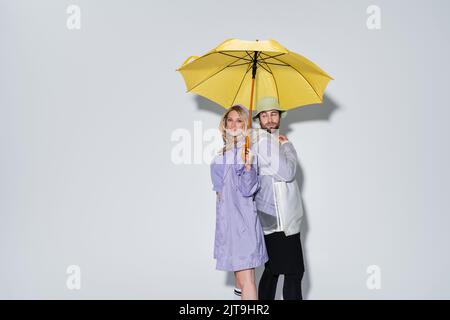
point(245, 280)
point(236, 284)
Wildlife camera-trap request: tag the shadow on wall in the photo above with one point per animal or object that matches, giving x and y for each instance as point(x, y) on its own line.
point(315, 112)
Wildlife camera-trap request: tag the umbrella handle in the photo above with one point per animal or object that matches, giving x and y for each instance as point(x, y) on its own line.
point(249, 126)
point(188, 59)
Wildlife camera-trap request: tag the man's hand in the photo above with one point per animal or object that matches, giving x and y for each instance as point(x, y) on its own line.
point(282, 138)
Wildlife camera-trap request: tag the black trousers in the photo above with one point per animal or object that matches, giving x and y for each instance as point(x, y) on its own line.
point(292, 287)
point(285, 257)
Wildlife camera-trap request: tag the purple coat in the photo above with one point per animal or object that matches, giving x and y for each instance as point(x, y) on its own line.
point(239, 239)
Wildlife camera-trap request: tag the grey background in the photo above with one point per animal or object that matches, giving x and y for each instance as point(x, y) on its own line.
point(86, 176)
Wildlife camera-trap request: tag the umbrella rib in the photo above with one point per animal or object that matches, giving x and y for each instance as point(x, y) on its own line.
point(240, 85)
point(212, 75)
point(230, 55)
point(269, 71)
point(240, 64)
point(275, 81)
point(257, 56)
point(273, 57)
point(248, 54)
point(269, 56)
point(302, 77)
point(252, 58)
point(277, 64)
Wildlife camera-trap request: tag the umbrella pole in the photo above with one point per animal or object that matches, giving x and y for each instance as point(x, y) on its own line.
point(249, 126)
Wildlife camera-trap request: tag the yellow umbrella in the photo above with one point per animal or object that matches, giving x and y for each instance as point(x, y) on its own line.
point(237, 71)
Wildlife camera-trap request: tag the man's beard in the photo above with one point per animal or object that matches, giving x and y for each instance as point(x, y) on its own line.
point(269, 130)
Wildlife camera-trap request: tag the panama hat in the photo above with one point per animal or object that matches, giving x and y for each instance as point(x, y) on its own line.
point(266, 104)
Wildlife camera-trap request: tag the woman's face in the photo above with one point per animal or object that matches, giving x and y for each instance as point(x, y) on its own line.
point(234, 124)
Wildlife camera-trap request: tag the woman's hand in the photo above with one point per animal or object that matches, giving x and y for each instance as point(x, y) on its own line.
point(247, 157)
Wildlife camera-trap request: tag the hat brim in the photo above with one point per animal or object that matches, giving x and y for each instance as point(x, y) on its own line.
point(283, 114)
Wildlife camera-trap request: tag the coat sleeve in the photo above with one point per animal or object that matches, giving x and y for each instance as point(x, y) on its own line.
point(217, 170)
point(281, 159)
point(287, 163)
point(248, 181)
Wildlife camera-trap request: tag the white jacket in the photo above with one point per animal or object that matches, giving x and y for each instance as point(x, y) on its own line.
point(279, 200)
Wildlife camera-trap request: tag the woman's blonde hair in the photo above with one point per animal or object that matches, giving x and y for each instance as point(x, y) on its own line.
point(228, 140)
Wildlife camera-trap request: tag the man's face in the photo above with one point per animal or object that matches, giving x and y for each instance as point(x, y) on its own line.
point(269, 120)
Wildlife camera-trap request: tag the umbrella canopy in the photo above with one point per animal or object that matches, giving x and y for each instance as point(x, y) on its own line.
point(237, 71)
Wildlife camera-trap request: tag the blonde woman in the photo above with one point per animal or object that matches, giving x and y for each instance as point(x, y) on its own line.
point(239, 240)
